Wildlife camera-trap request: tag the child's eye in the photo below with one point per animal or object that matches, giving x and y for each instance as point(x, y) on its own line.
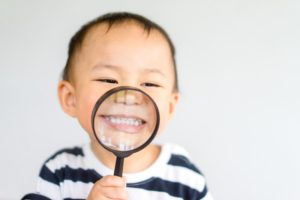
point(150, 85)
point(112, 81)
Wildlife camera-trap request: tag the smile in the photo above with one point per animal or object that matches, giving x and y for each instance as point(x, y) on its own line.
point(127, 124)
point(125, 120)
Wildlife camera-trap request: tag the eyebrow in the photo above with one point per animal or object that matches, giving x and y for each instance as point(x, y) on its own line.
point(106, 66)
point(155, 71)
point(115, 67)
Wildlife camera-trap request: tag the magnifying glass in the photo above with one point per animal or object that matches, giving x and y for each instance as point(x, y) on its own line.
point(124, 121)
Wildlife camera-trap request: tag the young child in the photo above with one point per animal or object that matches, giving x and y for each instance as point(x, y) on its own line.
point(119, 49)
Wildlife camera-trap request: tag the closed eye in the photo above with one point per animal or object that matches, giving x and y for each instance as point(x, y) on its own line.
point(150, 85)
point(111, 81)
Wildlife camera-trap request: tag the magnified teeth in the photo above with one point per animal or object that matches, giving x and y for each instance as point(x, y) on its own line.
point(125, 120)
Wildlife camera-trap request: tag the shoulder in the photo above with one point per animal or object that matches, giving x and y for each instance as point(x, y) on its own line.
point(181, 178)
point(74, 151)
point(66, 164)
point(180, 158)
point(65, 174)
point(66, 156)
point(183, 169)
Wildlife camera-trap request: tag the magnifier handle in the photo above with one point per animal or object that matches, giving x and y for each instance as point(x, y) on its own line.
point(119, 167)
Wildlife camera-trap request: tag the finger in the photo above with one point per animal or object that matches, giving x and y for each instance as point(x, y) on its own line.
point(99, 192)
point(112, 181)
point(115, 193)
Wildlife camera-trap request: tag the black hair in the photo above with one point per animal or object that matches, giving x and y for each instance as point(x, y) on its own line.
point(112, 19)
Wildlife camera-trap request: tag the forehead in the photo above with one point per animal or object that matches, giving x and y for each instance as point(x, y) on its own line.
point(128, 43)
point(127, 33)
point(104, 28)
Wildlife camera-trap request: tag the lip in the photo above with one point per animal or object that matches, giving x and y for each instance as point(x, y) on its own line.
point(124, 123)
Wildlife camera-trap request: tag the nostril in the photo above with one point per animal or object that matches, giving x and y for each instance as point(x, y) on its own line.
point(128, 97)
point(120, 97)
point(132, 97)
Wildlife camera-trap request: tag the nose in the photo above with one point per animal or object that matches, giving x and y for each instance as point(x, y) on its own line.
point(128, 97)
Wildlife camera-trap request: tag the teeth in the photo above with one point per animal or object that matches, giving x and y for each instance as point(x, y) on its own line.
point(125, 121)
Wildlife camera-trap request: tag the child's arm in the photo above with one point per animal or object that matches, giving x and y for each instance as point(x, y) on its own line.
point(109, 187)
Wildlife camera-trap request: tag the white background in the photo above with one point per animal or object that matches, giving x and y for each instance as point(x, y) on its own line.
point(239, 68)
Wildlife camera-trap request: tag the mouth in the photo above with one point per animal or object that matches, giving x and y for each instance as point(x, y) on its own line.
point(127, 124)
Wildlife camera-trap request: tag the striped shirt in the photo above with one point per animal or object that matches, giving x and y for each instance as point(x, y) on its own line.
point(70, 174)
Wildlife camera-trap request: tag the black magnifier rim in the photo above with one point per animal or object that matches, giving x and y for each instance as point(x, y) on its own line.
point(123, 154)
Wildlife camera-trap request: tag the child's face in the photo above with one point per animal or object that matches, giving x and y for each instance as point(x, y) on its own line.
point(124, 56)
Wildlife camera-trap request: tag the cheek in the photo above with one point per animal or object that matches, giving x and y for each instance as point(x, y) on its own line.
point(84, 113)
point(164, 116)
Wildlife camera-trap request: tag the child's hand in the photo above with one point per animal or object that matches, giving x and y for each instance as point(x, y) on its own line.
point(109, 187)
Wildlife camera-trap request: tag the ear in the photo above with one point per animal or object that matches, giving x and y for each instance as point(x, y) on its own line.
point(173, 102)
point(66, 96)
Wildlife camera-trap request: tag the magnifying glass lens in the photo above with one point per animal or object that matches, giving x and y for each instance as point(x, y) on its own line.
point(125, 119)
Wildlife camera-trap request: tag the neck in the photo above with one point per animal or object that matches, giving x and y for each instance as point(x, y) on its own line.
point(136, 162)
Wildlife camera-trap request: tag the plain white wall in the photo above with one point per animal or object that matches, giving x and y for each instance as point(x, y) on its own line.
point(239, 68)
